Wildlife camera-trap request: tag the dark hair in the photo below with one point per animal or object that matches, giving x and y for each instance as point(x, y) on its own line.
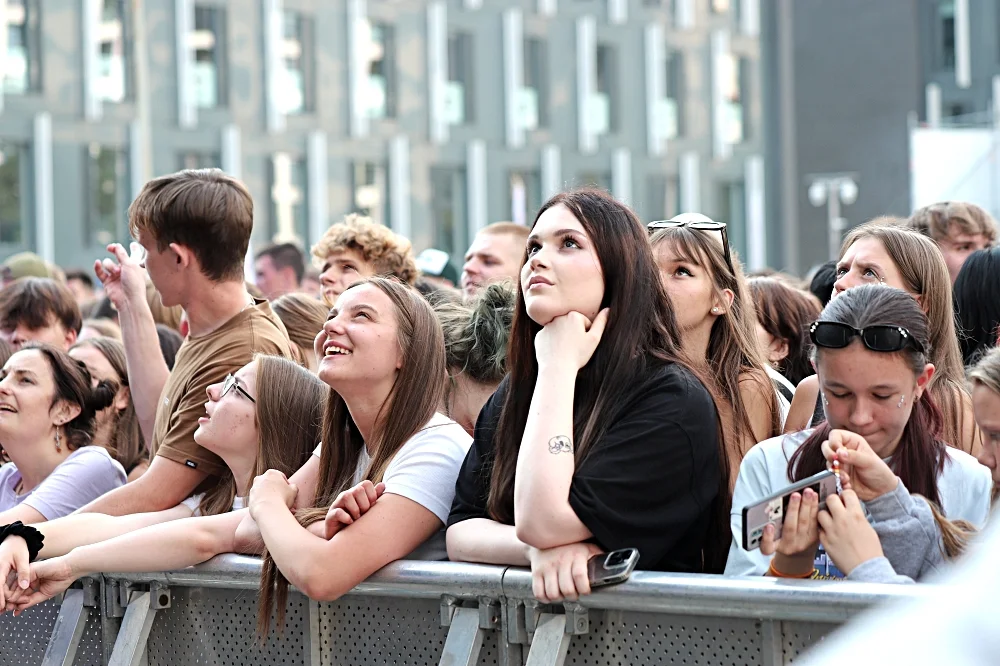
point(73, 384)
point(103, 309)
point(205, 210)
point(412, 401)
point(476, 334)
point(127, 444)
point(641, 335)
point(82, 276)
point(286, 255)
point(170, 343)
point(35, 302)
point(920, 455)
point(786, 313)
point(821, 285)
point(977, 304)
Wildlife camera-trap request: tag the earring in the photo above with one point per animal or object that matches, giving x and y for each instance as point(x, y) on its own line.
point(58, 442)
point(715, 310)
point(902, 399)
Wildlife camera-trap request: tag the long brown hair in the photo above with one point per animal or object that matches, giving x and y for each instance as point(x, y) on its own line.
point(410, 405)
point(289, 414)
point(640, 336)
point(786, 313)
point(922, 267)
point(920, 455)
point(734, 354)
point(126, 445)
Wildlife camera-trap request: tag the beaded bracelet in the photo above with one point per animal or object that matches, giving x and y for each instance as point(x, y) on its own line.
point(31, 536)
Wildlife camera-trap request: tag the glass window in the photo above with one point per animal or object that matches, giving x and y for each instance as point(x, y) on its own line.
point(720, 6)
point(459, 94)
point(111, 60)
point(289, 212)
point(108, 196)
point(297, 57)
point(370, 193)
point(380, 52)
point(662, 198)
point(13, 193)
point(946, 16)
point(448, 210)
point(607, 98)
point(209, 44)
point(672, 114)
point(524, 196)
point(196, 160)
point(734, 72)
point(732, 211)
point(20, 69)
point(534, 105)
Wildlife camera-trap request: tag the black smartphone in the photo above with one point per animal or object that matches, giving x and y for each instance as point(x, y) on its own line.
point(771, 510)
point(610, 568)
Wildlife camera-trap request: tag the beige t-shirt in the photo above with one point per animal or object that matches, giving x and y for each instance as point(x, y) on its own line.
point(204, 361)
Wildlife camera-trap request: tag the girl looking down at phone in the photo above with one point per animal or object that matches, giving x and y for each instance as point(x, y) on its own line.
point(266, 416)
point(600, 438)
point(872, 345)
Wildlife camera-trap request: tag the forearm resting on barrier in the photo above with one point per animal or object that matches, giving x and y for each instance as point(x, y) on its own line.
point(486, 541)
point(64, 534)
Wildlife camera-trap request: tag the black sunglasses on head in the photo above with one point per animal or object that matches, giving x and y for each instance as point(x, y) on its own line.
point(834, 335)
point(700, 225)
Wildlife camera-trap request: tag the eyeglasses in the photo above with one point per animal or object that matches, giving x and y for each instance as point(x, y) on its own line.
point(700, 225)
point(834, 335)
point(233, 383)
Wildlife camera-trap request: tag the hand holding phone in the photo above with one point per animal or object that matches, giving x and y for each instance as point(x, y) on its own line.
point(612, 568)
point(772, 510)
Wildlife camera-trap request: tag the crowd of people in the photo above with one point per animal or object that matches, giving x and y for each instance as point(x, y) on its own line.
point(589, 383)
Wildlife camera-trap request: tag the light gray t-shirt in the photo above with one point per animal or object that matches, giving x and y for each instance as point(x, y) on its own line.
point(85, 475)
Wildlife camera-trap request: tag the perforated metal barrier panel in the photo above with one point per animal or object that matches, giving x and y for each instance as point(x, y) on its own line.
point(23, 639)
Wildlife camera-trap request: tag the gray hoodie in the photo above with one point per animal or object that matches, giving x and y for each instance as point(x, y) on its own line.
point(911, 539)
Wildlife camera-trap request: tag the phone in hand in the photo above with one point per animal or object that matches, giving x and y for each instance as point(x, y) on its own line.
point(610, 568)
point(771, 510)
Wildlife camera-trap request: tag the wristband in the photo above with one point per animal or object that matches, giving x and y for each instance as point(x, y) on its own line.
point(31, 536)
point(777, 574)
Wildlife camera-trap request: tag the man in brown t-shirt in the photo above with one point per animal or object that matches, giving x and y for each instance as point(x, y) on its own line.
point(193, 230)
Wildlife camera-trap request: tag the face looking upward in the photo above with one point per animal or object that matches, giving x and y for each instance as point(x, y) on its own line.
point(691, 288)
point(340, 270)
point(491, 257)
point(359, 347)
point(230, 421)
point(27, 391)
point(867, 262)
point(563, 273)
point(869, 393)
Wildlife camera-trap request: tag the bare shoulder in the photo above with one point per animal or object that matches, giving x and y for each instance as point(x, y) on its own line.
point(803, 405)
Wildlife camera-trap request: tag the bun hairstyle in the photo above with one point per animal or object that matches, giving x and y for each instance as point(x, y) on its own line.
point(73, 384)
point(476, 333)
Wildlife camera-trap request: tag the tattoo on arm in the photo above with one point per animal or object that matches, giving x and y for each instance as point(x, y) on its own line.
point(560, 444)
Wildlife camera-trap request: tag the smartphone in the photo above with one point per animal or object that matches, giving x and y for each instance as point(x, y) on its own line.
point(771, 511)
point(610, 568)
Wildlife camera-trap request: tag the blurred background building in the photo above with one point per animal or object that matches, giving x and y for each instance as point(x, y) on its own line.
point(435, 118)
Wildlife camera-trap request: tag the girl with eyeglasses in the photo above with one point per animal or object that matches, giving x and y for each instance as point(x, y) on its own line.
point(883, 253)
point(266, 416)
point(718, 325)
point(872, 349)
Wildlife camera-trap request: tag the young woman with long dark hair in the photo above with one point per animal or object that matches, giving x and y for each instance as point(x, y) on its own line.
point(601, 437)
point(872, 350)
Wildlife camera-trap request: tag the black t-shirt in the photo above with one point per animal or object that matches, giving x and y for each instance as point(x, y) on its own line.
point(649, 483)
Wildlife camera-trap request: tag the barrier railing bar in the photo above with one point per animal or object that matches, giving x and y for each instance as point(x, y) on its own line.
point(771, 637)
point(68, 630)
point(130, 646)
point(315, 656)
point(550, 643)
point(465, 639)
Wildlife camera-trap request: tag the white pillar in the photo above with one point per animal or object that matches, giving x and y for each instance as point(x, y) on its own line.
point(750, 17)
point(513, 74)
point(45, 235)
point(621, 175)
point(684, 14)
point(136, 158)
point(232, 151)
point(358, 35)
point(547, 8)
point(475, 174)
point(756, 218)
point(187, 113)
point(437, 68)
point(655, 52)
point(91, 19)
point(3, 47)
point(721, 147)
point(399, 184)
point(690, 182)
point(963, 55)
point(932, 94)
point(317, 186)
point(274, 34)
point(586, 80)
point(551, 171)
point(617, 11)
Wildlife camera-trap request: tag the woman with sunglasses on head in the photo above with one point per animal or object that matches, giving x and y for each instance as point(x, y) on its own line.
point(883, 253)
point(872, 350)
point(718, 326)
point(600, 437)
point(266, 416)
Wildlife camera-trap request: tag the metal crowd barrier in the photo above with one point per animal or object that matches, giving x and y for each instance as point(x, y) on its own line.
point(430, 614)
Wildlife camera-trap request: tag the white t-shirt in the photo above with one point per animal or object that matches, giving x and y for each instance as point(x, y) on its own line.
point(426, 467)
point(964, 486)
point(194, 502)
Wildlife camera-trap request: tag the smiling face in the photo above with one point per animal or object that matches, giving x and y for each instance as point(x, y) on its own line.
point(986, 406)
point(26, 395)
point(867, 262)
point(863, 390)
point(340, 270)
point(563, 273)
point(230, 421)
point(359, 344)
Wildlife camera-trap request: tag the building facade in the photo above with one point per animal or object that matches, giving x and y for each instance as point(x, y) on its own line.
point(435, 118)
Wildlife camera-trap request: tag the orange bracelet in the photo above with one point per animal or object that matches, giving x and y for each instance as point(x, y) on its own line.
point(777, 574)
